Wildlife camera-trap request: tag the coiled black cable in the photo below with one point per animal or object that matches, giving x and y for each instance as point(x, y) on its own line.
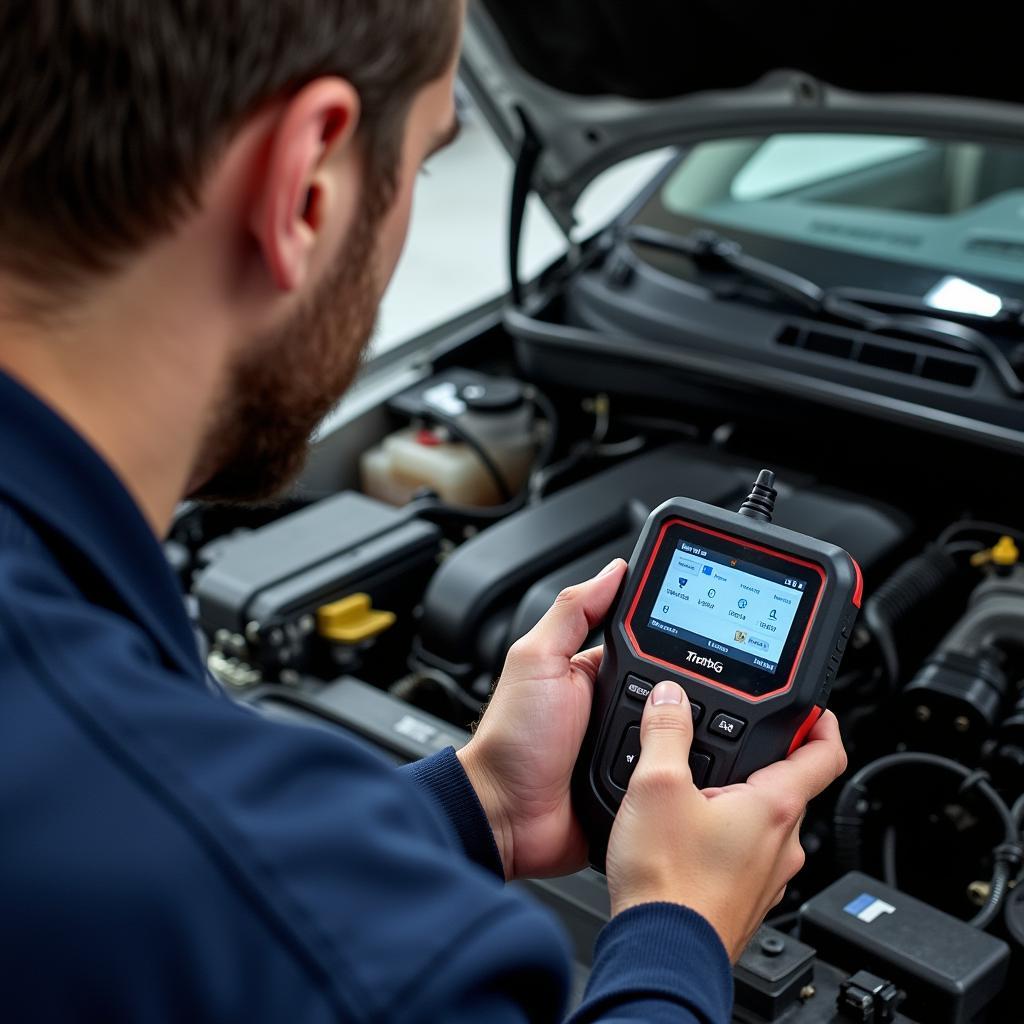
point(452, 425)
point(431, 508)
point(977, 526)
point(912, 583)
point(998, 887)
point(852, 807)
point(1017, 813)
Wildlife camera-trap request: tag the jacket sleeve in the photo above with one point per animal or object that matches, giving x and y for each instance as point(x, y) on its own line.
point(658, 963)
point(209, 864)
point(653, 963)
point(442, 777)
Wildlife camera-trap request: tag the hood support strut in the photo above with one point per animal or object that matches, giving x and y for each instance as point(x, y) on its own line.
point(530, 150)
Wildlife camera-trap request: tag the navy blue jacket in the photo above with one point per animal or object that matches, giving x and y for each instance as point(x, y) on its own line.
point(167, 855)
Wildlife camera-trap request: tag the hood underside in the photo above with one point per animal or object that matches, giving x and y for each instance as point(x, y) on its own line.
point(597, 81)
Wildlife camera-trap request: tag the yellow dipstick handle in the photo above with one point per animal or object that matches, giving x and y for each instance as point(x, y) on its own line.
point(352, 620)
point(1005, 553)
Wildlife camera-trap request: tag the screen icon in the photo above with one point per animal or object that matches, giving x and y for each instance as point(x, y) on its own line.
point(708, 570)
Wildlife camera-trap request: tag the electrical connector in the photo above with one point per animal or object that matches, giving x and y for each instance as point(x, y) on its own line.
point(761, 502)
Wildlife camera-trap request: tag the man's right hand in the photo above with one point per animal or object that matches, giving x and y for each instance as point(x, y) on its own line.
point(726, 853)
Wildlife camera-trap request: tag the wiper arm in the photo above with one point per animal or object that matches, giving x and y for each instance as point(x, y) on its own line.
point(941, 331)
point(711, 251)
point(1009, 318)
point(849, 306)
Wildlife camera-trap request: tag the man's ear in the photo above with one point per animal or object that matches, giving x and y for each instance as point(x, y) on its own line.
point(294, 186)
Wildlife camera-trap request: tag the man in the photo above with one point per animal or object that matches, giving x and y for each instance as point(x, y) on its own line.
point(200, 206)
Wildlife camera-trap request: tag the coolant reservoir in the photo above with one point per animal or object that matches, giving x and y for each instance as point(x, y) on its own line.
point(495, 413)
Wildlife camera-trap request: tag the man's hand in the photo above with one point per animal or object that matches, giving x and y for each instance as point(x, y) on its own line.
point(726, 853)
point(521, 759)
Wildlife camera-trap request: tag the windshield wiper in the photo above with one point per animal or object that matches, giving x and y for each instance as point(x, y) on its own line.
point(1009, 318)
point(711, 251)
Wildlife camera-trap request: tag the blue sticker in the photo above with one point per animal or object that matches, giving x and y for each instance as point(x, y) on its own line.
point(856, 906)
point(868, 908)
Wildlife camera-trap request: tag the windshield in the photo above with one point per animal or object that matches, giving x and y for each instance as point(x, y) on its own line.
point(953, 207)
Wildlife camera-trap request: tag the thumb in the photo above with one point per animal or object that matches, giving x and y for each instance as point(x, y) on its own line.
point(576, 611)
point(666, 731)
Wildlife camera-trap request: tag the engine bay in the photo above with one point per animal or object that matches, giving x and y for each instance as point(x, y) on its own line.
point(441, 518)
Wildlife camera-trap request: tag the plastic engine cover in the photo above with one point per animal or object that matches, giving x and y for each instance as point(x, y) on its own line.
point(494, 588)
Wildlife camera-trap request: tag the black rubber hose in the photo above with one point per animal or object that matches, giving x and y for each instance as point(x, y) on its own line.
point(1017, 813)
point(591, 447)
point(910, 585)
point(452, 425)
point(996, 893)
point(434, 510)
point(978, 526)
point(889, 857)
point(852, 807)
point(451, 690)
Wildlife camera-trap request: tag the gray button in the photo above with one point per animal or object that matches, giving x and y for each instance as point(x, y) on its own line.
point(727, 726)
point(637, 688)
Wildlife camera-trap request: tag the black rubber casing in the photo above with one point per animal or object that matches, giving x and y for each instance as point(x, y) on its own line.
point(776, 723)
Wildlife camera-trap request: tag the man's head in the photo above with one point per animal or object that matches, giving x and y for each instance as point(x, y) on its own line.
point(282, 135)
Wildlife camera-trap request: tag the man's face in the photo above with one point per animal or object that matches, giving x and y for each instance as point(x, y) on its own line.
point(286, 382)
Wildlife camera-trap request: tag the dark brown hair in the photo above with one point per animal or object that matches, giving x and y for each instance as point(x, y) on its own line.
point(111, 111)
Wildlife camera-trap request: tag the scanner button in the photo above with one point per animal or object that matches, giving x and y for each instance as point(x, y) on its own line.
point(726, 726)
point(637, 688)
point(700, 765)
point(627, 757)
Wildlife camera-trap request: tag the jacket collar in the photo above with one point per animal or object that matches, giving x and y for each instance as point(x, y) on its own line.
point(86, 516)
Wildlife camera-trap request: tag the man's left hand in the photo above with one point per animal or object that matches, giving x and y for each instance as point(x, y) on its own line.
point(521, 758)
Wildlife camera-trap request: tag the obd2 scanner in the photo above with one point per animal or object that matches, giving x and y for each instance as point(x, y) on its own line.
point(750, 618)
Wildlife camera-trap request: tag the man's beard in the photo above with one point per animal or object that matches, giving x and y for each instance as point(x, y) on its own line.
point(285, 384)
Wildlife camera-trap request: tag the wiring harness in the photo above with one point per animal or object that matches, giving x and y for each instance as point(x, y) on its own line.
point(854, 805)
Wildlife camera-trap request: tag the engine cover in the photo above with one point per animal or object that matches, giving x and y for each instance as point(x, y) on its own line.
point(494, 588)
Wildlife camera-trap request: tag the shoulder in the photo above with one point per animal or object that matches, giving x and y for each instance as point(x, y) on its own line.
point(175, 814)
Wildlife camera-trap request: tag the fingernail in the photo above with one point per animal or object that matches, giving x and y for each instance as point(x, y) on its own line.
point(607, 569)
point(667, 693)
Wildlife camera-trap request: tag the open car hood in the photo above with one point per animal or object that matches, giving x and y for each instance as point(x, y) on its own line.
point(586, 84)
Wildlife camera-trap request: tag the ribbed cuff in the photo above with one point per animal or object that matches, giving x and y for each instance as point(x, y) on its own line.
point(443, 777)
point(661, 951)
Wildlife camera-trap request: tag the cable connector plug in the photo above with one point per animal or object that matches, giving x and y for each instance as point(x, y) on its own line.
point(761, 503)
